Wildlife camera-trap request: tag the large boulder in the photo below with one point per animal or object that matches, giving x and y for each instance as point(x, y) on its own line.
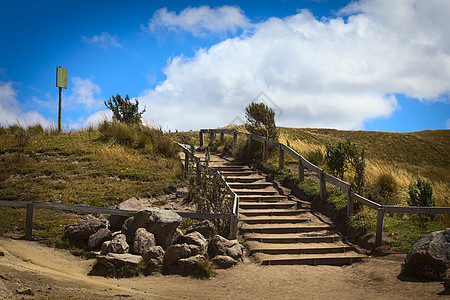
point(98, 238)
point(154, 258)
point(118, 244)
point(218, 246)
point(162, 223)
point(119, 259)
point(197, 239)
point(116, 222)
point(118, 265)
point(224, 261)
point(189, 266)
point(143, 240)
point(429, 258)
point(176, 252)
point(84, 228)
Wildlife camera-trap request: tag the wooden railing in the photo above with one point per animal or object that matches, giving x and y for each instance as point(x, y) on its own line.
point(233, 216)
point(324, 178)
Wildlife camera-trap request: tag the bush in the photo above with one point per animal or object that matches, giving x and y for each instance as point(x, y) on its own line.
point(386, 188)
point(123, 110)
point(421, 194)
point(335, 158)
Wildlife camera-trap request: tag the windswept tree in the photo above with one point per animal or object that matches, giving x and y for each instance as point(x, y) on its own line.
point(124, 110)
point(261, 121)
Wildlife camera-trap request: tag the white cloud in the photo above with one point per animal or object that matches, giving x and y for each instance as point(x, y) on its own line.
point(200, 20)
point(97, 117)
point(85, 92)
point(104, 40)
point(321, 73)
point(10, 111)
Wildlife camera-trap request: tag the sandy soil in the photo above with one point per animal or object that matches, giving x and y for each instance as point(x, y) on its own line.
point(56, 274)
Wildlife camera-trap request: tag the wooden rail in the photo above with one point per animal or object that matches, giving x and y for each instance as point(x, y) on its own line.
point(325, 178)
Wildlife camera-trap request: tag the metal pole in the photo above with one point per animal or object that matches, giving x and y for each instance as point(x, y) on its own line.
point(59, 112)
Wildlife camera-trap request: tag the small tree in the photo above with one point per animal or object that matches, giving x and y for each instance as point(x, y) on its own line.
point(261, 121)
point(356, 157)
point(335, 158)
point(421, 194)
point(124, 110)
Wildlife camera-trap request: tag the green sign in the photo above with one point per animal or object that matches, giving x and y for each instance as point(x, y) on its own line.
point(61, 77)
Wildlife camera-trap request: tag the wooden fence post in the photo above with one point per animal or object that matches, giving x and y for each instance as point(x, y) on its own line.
point(323, 186)
point(211, 137)
point(265, 151)
point(198, 171)
point(349, 202)
point(280, 158)
point(234, 139)
point(201, 138)
point(186, 161)
point(380, 223)
point(29, 222)
point(233, 227)
point(222, 136)
point(301, 171)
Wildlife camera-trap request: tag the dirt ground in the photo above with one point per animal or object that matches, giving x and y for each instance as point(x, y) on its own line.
point(56, 274)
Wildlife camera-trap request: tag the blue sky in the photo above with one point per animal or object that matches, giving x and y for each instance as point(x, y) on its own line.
point(363, 65)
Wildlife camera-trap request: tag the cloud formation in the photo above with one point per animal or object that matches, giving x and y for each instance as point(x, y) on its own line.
point(104, 40)
point(85, 92)
point(10, 111)
point(200, 20)
point(337, 72)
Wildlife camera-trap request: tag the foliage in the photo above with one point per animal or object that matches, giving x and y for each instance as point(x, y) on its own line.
point(421, 193)
point(385, 188)
point(205, 269)
point(335, 158)
point(124, 110)
point(261, 121)
point(356, 157)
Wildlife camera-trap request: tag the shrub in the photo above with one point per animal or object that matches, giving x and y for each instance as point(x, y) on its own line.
point(261, 121)
point(205, 269)
point(421, 193)
point(386, 188)
point(123, 110)
point(335, 158)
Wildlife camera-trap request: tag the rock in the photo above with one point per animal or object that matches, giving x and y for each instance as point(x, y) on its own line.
point(154, 259)
point(116, 222)
point(224, 261)
point(162, 223)
point(189, 266)
point(119, 259)
point(447, 280)
point(218, 246)
point(118, 244)
point(235, 250)
point(25, 291)
point(177, 236)
point(84, 228)
point(143, 240)
point(196, 238)
point(175, 252)
point(105, 247)
point(429, 258)
point(97, 239)
point(205, 228)
point(195, 250)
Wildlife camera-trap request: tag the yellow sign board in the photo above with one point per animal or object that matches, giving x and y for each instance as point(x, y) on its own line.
point(61, 77)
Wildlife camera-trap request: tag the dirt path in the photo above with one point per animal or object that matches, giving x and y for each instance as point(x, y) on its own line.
point(56, 274)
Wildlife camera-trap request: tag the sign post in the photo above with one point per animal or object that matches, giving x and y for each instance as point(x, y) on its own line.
point(61, 82)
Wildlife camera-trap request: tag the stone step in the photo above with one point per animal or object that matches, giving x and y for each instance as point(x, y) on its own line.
point(315, 237)
point(346, 258)
point(265, 205)
point(249, 186)
point(267, 198)
point(283, 228)
point(273, 219)
point(298, 248)
point(273, 212)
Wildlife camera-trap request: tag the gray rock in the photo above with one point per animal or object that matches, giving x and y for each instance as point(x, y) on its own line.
point(177, 236)
point(205, 228)
point(195, 250)
point(196, 238)
point(116, 222)
point(175, 252)
point(105, 247)
point(84, 228)
point(119, 259)
point(189, 266)
point(162, 223)
point(143, 240)
point(154, 259)
point(235, 250)
point(224, 261)
point(430, 256)
point(218, 246)
point(118, 244)
point(97, 239)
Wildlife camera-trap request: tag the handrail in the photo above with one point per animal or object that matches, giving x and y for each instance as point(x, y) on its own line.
point(326, 178)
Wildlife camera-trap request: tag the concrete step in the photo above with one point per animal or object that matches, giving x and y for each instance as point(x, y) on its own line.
point(346, 258)
point(283, 228)
point(299, 248)
point(273, 219)
point(261, 198)
point(273, 212)
point(324, 236)
point(265, 205)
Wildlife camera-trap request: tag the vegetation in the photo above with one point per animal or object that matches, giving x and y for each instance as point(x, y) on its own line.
point(124, 110)
point(87, 167)
point(261, 121)
point(421, 193)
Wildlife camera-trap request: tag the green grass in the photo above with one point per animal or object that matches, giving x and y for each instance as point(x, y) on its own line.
point(81, 167)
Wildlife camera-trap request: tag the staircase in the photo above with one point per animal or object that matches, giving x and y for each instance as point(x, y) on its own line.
point(280, 231)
